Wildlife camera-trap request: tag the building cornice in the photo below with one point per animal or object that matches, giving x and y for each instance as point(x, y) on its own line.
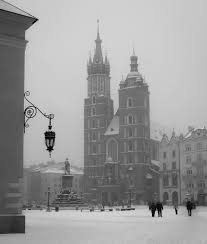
point(12, 41)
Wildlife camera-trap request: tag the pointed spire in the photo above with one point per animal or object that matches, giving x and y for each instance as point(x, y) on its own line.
point(134, 65)
point(98, 35)
point(98, 58)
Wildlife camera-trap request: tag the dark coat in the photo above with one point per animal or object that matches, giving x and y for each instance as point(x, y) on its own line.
point(159, 206)
point(189, 205)
point(153, 206)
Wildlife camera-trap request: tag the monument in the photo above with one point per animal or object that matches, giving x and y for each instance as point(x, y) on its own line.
point(13, 24)
point(68, 198)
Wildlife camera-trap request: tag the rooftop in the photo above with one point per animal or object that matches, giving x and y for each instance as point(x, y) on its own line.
point(13, 9)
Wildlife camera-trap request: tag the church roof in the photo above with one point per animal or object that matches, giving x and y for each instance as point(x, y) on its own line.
point(13, 9)
point(113, 128)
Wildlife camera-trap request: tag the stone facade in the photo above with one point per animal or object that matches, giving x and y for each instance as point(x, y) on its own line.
point(13, 25)
point(170, 170)
point(193, 148)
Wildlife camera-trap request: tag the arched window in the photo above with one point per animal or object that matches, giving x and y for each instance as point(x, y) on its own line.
point(130, 119)
point(129, 102)
point(93, 99)
point(112, 148)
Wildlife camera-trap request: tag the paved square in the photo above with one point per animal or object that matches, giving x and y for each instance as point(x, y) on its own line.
point(75, 227)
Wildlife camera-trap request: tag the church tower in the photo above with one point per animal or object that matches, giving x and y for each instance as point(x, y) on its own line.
point(134, 117)
point(98, 112)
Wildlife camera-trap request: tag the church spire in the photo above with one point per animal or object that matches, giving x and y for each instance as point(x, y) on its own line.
point(134, 65)
point(98, 58)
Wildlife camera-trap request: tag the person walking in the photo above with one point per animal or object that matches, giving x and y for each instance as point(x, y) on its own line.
point(153, 208)
point(159, 207)
point(189, 206)
point(176, 208)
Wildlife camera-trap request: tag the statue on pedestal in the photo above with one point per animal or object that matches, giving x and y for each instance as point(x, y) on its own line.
point(67, 167)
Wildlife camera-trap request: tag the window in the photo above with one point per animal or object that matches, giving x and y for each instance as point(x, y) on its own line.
point(130, 133)
point(93, 123)
point(93, 112)
point(201, 185)
point(124, 132)
point(190, 185)
point(164, 155)
point(94, 149)
point(93, 136)
point(94, 100)
point(165, 180)
point(130, 147)
point(173, 165)
point(129, 102)
point(188, 159)
point(174, 180)
point(189, 171)
point(173, 153)
point(188, 147)
point(130, 119)
point(164, 166)
point(199, 146)
point(102, 85)
point(130, 159)
point(199, 157)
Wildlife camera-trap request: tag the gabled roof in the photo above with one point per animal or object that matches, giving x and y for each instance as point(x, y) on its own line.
point(13, 9)
point(113, 128)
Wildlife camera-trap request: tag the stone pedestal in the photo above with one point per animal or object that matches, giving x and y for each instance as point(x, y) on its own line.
point(67, 182)
point(13, 24)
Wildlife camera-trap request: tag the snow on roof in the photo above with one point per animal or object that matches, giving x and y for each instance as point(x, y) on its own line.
point(58, 168)
point(155, 162)
point(113, 128)
point(13, 9)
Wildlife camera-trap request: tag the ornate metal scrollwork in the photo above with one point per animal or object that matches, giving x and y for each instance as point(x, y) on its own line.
point(31, 111)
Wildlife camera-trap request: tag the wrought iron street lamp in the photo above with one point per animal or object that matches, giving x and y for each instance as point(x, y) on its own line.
point(30, 112)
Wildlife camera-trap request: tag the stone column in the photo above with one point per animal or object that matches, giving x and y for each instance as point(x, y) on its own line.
point(13, 24)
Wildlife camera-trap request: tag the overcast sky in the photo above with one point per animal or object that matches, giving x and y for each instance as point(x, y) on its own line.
point(170, 40)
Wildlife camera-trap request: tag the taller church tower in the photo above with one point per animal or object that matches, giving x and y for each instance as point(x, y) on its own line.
point(98, 112)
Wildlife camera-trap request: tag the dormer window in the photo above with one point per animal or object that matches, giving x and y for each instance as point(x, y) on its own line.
point(129, 102)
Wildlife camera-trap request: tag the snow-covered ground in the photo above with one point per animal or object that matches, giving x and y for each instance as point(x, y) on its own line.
point(74, 227)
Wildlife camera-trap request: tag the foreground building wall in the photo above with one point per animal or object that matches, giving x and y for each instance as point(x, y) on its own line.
point(194, 165)
point(13, 24)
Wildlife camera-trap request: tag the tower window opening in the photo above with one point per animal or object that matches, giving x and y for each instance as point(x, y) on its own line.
point(129, 102)
point(130, 119)
point(130, 133)
point(94, 100)
point(130, 146)
point(93, 111)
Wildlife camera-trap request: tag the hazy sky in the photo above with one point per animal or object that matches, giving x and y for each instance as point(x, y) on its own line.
point(170, 40)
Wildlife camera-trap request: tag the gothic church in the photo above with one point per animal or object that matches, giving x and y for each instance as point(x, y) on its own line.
point(117, 147)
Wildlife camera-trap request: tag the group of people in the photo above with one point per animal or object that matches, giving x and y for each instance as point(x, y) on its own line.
point(159, 207)
point(156, 206)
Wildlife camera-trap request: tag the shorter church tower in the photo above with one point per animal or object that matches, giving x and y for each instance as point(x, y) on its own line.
point(134, 119)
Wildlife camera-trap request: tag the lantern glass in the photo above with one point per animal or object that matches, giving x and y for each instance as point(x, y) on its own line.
point(49, 140)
